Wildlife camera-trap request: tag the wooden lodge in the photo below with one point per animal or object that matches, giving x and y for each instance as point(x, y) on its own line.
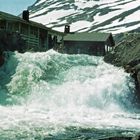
point(36, 36)
point(94, 43)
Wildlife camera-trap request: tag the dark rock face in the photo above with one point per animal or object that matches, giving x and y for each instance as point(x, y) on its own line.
point(118, 138)
point(138, 77)
point(133, 68)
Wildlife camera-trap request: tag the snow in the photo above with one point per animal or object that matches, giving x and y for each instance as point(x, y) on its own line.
point(39, 12)
point(82, 4)
point(129, 19)
point(122, 29)
point(80, 25)
point(115, 21)
point(53, 16)
point(41, 1)
point(133, 17)
point(43, 10)
point(101, 18)
point(128, 6)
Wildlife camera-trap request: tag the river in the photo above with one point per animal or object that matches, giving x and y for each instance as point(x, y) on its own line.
point(53, 96)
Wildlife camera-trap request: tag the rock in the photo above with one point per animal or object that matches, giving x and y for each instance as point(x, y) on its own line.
point(136, 73)
point(135, 63)
point(136, 137)
point(138, 78)
point(137, 67)
point(124, 53)
point(117, 138)
point(127, 54)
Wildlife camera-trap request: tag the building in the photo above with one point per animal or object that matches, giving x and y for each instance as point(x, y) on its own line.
point(94, 43)
point(37, 37)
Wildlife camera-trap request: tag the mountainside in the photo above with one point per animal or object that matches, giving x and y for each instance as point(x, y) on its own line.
point(127, 55)
point(114, 16)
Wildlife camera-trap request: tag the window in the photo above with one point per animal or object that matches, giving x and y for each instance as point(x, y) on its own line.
point(13, 26)
point(24, 29)
point(2, 24)
point(34, 31)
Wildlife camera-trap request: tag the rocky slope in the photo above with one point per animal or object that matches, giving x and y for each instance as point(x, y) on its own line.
point(126, 50)
point(127, 55)
point(114, 16)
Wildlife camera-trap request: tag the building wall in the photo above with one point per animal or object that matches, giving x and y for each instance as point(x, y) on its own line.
point(43, 39)
point(11, 41)
point(80, 47)
point(35, 38)
point(28, 33)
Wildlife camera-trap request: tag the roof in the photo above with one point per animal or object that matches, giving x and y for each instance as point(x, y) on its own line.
point(9, 17)
point(85, 36)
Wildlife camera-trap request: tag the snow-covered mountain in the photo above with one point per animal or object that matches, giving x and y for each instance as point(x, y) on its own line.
point(114, 16)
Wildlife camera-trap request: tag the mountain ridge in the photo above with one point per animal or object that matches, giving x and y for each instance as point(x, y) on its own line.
point(114, 16)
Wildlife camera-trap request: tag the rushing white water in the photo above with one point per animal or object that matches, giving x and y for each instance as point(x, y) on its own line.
point(42, 94)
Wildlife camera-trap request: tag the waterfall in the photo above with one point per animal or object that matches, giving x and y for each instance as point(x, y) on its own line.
point(44, 93)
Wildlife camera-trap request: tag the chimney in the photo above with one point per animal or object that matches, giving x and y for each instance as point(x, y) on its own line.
point(67, 29)
point(25, 15)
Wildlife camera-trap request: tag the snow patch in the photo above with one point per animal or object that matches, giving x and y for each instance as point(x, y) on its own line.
point(106, 16)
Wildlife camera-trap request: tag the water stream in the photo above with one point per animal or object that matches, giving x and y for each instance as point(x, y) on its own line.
point(51, 96)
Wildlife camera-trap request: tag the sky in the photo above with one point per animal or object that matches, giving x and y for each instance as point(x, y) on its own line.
point(15, 7)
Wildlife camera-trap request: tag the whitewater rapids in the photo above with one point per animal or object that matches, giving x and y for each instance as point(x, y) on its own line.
point(53, 95)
